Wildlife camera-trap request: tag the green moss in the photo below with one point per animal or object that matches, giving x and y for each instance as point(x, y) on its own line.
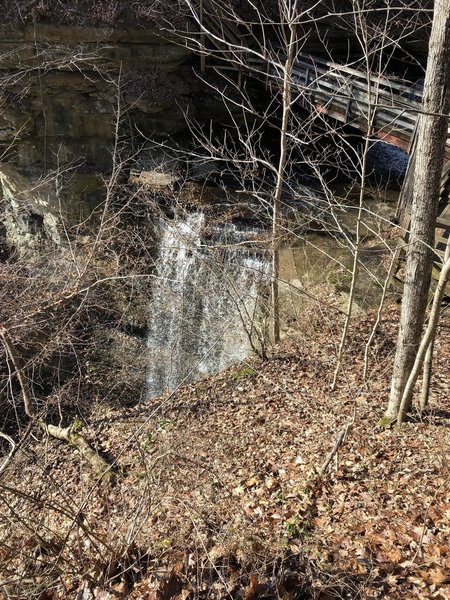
point(293, 527)
point(244, 372)
point(149, 442)
point(340, 281)
point(76, 425)
point(163, 425)
point(108, 476)
point(163, 543)
point(385, 422)
point(332, 279)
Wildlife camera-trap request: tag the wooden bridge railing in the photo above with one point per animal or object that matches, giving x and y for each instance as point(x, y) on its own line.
point(343, 92)
point(350, 96)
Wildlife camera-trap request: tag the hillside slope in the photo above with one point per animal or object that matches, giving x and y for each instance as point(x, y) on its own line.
point(218, 496)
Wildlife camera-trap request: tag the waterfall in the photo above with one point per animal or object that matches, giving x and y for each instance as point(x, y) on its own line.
point(204, 301)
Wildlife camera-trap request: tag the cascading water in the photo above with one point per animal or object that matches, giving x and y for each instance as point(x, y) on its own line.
point(204, 301)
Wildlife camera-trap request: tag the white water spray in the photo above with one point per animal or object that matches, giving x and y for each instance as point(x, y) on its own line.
point(205, 301)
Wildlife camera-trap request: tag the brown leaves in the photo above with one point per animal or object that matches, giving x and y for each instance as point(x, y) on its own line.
point(435, 574)
point(227, 496)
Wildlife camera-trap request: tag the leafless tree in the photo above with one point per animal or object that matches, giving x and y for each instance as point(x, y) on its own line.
point(53, 306)
point(55, 288)
point(243, 38)
point(430, 151)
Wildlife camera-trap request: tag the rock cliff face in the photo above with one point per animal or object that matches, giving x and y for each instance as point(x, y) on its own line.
point(68, 96)
point(63, 88)
point(67, 93)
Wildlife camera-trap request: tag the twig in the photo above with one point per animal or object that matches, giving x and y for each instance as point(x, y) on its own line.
point(425, 518)
point(13, 445)
point(387, 283)
point(61, 433)
point(339, 441)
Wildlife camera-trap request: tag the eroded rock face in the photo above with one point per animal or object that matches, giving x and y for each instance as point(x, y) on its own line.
point(29, 217)
point(68, 97)
point(66, 94)
point(66, 89)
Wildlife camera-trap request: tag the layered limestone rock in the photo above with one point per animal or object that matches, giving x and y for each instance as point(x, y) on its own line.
point(66, 91)
point(67, 94)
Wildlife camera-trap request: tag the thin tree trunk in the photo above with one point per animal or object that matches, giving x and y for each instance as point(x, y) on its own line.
point(431, 139)
point(102, 467)
point(355, 272)
point(287, 86)
point(427, 371)
point(387, 282)
point(18, 367)
point(427, 339)
point(371, 113)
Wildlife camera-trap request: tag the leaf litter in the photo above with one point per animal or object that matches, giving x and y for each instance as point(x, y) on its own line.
point(218, 493)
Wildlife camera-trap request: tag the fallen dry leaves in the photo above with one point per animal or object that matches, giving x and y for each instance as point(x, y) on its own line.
point(218, 494)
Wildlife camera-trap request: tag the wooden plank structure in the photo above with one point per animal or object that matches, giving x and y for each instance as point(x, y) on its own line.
point(347, 94)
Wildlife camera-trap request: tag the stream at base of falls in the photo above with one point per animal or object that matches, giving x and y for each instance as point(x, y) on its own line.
point(205, 301)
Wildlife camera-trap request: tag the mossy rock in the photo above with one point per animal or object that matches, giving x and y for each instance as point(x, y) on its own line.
point(340, 281)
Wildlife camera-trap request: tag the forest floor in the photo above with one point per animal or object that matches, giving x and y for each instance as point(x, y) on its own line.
point(217, 493)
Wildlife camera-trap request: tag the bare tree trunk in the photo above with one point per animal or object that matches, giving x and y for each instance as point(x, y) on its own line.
point(431, 138)
point(287, 89)
point(102, 467)
point(428, 338)
point(23, 382)
point(362, 35)
point(387, 282)
point(427, 372)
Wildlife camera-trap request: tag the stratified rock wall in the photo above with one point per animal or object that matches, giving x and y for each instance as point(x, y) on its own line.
point(64, 87)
